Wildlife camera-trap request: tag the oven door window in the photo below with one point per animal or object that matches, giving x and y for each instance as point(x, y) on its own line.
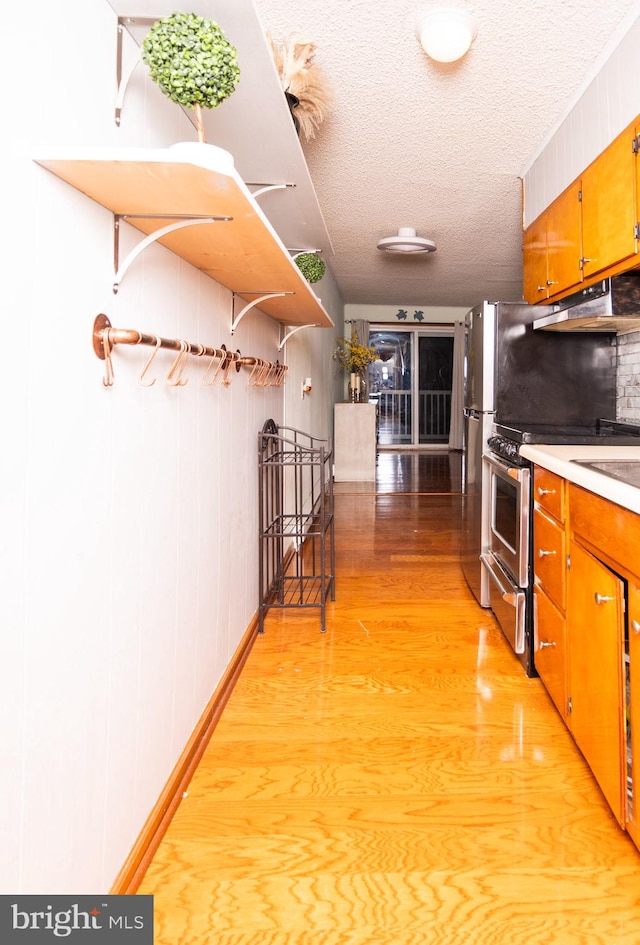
point(506, 513)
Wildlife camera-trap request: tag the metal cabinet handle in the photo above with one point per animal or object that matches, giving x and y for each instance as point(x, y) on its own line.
point(542, 491)
point(635, 626)
point(543, 643)
point(542, 553)
point(551, 282)
point(601, 598)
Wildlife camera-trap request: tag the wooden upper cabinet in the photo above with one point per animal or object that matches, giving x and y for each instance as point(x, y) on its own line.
point(589, 231)
point(552, 248)
point(534, 250)
point(608, 206)
point(564, 240)
point(636, 132)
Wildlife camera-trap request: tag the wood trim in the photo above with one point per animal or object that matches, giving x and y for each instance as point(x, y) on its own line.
point(132, 872)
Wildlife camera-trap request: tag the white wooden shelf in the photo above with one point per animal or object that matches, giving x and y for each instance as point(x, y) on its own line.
point(152, 188)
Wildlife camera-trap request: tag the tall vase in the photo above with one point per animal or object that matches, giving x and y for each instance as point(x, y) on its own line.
point(355, 388)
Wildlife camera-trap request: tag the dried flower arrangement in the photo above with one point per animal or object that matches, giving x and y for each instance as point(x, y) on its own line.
point(354, 357)
point(300, 76)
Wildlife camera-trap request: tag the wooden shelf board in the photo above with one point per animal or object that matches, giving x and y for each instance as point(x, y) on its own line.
point(244, 254)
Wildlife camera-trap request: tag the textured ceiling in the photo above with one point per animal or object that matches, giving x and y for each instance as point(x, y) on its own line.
point(437, 147)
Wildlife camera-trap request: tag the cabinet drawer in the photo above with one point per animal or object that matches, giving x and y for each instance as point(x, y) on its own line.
point(548, 492)
point(614, 530)
point(549, 648)
point(549, 557)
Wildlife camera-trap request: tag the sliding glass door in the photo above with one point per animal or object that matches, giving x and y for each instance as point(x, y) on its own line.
point(411, 384)
point(435, 374)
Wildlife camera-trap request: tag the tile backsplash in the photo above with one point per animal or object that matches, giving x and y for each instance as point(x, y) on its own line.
point(628, 377)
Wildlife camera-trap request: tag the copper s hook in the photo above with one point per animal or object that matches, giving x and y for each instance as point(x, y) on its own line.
point(220, 357)
point(263, 380)
point(229, 360)
point(174, 377)
point(141, 380)
point(280, 372)
point(256, 364)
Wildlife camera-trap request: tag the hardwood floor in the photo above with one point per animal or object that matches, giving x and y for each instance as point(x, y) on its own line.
point(396, 780)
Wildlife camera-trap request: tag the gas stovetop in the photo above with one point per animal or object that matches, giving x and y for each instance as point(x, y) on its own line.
point(507, 438)
point(623, 433)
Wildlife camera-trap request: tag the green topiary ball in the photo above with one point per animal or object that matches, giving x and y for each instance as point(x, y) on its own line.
point(311, 266)
point(191, 60)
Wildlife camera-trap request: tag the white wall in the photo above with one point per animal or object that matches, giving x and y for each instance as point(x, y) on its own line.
point(608, 103)
point(129, 557)
point(433, 314)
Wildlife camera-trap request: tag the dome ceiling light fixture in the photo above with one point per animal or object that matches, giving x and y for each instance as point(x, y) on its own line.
point(406, 242)
point(446, 33)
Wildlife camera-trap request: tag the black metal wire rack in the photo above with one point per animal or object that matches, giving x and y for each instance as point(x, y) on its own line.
point(297, 556)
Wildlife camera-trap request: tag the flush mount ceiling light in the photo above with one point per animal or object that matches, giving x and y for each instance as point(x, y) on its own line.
point(406, 242)
point(446, 33)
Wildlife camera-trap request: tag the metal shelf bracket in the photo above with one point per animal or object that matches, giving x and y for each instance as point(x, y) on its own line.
point(289, 331)
point(123, 76)
point(120, 269)
point(265, 188)
point(235, 320)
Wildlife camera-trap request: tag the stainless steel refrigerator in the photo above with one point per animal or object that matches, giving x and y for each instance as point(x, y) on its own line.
point(518, 376)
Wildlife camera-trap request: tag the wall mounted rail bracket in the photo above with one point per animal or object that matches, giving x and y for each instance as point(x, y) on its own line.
point(122, 77)
point(235, 320)
point(265, 188)
point(179, 224)
point(287, 331)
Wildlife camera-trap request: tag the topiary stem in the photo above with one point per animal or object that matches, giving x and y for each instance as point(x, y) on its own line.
point(199, 123)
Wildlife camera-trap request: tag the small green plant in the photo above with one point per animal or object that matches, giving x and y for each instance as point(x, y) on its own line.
point(311, 266)
point(192, 61)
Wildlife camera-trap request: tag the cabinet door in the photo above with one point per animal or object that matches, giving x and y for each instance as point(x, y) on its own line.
point(549, 648)
point(534, 261)
point(595, 633)
point(564, 241)
point(608, 206)
point(633, 714)
point(636, 132)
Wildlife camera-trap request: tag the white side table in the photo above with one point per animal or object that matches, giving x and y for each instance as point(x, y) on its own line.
point(354, 442)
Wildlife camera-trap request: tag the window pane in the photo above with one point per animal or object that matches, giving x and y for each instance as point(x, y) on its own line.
point(390, 385)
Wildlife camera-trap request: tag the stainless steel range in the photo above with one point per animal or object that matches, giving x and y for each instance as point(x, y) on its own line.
point(522, 386)
point(506, 557)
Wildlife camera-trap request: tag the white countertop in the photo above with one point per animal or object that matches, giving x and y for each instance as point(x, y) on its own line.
point(558, 459)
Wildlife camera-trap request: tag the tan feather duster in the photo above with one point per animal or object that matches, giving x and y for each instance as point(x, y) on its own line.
point(301, 76)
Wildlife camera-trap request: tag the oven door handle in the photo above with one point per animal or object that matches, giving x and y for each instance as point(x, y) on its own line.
point(514, 472)
point(507, 594)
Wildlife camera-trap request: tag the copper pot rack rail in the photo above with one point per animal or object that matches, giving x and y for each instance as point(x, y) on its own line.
point(221, 360)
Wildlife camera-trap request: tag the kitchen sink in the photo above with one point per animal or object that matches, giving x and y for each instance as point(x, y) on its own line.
point(625, 470)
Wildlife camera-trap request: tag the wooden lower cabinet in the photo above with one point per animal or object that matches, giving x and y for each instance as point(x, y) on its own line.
point(549, 593)
point(632, 714)
point(550, 646)
point(587, 631)
point(595, 635)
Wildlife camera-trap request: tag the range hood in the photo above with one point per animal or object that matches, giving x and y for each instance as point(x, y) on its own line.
point(612, 305)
